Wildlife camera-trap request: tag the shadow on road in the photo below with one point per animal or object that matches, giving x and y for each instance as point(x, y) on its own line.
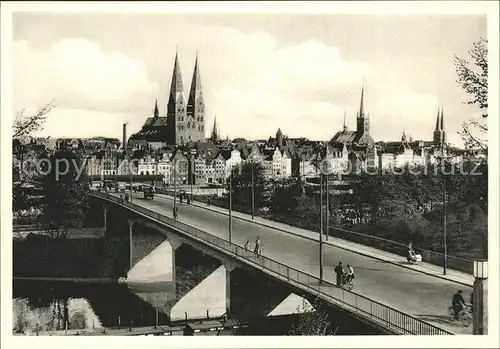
point(441, 319)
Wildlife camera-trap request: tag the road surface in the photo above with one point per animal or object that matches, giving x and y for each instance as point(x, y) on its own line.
point(423, 296)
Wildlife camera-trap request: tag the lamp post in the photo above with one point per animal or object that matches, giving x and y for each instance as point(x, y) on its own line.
point(175, 185)
point(479, 298)
point(327, 207)
point(321, 229)
point(442, 163)
point(230, 204)
point(445, 255)
point(253, 194)
point(130, 174)
point(192, 178)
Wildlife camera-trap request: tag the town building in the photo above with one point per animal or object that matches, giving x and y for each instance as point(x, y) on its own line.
point(147, 166)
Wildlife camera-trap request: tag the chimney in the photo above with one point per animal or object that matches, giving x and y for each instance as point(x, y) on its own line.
point(124, 141)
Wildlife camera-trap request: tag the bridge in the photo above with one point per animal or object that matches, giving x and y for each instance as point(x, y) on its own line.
point(386, 296)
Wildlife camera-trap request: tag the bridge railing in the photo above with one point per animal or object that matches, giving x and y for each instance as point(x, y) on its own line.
point(382, 314)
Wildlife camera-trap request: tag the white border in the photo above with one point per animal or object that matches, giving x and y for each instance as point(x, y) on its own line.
point(491, 8)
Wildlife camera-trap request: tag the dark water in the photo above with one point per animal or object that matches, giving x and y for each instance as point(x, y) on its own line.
point(49, 305)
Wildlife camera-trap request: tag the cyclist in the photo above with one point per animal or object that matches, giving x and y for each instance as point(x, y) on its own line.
point(350, 274)
point(339, 270)
point(458, 303)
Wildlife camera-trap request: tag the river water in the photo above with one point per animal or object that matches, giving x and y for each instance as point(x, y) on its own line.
point(49, 305)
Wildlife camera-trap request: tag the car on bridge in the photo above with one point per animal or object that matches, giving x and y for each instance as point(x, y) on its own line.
point(149, 192)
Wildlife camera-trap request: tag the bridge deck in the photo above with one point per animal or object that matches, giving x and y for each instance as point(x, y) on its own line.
point(409, 291)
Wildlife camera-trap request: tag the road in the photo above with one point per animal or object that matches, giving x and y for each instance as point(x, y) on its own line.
point(424, 296)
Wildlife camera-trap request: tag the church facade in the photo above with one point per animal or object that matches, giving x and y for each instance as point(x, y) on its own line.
point(184, 121)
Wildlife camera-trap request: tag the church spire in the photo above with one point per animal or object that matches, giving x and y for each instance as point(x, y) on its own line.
point(176, 85)
point(195, 93)
point(345, 120)
point(442, 120)
point(156, 113)
point(215, 131)
point(362, 103)
point(437, 121)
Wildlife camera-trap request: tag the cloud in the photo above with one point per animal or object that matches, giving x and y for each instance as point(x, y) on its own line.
point(251, 80)
point(78, 74)
point(64, 122)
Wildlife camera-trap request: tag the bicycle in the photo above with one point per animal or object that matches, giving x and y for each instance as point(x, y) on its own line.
point(347, 285)
point(464, 316)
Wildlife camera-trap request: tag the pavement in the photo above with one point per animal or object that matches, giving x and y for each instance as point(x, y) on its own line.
point(380, 276)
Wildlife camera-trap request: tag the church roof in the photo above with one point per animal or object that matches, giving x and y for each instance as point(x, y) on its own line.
point(160, 121)
point(344, 137)
point(154, 130)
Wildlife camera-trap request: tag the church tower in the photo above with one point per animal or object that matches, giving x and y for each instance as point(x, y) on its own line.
point(443, 132)
point(363, 121)
point(176, 108)
point(279, 138)
point(196, 108)
point(439, 135)
point(156, 112)
point(214, 137)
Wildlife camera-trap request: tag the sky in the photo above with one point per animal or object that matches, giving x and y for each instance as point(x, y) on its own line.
point(259, 72)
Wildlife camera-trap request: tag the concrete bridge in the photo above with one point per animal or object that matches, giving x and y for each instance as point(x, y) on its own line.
point(289, 261)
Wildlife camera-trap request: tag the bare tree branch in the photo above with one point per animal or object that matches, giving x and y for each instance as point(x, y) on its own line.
point(473, 78)
point(24, 125)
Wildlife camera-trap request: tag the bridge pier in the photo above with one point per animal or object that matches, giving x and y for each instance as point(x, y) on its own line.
point(175, 243)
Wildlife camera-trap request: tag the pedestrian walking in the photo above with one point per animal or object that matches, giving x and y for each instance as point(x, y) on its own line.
point(208, 202)
point(247, 246)
point(258, 247)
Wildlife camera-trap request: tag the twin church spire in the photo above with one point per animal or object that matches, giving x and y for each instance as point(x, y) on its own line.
point(185, 116)
point(439, 138)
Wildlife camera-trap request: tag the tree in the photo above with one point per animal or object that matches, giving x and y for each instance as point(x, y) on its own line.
point(286, 195)
point(24, 125)
point(65, 189)
point(313, 321)
point(307, 210)
point(241, 185)
point(473, 78)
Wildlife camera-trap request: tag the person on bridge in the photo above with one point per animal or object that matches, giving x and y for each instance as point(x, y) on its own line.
point(339, 271)
point(126, 197)
point(247, 245)
point(176, 212)
point(258, 247)
point(208, 202)
point(350, 274)
point(458, 303)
